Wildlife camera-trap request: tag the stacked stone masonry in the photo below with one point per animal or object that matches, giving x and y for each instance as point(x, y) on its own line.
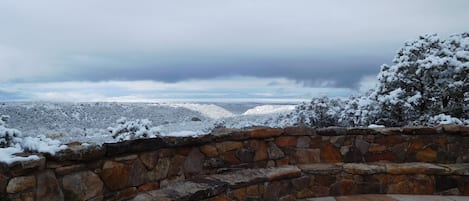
point(251, 164)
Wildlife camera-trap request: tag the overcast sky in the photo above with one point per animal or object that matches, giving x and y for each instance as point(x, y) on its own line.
point(207, 50)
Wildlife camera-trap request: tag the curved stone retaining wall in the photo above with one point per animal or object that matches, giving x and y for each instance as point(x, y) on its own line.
point(120, 171)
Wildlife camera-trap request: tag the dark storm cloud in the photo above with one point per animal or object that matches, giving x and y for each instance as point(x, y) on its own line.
point(314, 70)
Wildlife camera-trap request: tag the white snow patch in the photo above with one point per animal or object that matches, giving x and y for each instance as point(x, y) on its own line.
point(375, 126)
point(6, 155)
point(269, 109)
point(209, 110)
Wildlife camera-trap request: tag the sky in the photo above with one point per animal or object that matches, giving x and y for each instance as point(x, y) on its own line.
point(208, 50)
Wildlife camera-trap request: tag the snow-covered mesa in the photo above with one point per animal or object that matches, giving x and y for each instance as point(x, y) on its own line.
point(269, 109)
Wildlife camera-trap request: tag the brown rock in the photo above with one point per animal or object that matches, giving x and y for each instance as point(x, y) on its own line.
point(414, 146)
point(184, 150)
point(272, 191)
point(209, 150)
point(115, 175)
point(27, 196)
point(400, 150)
point(239, 194)
point(344, 187)
point(354, 155)
point(253, 190)
point(230, 158)
point(219, 198)
point(123, 194)
point(165, 152)
point(81, 186)
point(3, 183)
point(375, 148)
point(274, 152)
point(427, 155)
point(265, 132)
point(286, 141)
point(316, 141)
point(18, 184)
point(48, 187)
point(362, 145)
point(149, 159)
point(194, 163)
point(161, 170)
point(415, 184)
point(148, 187)
point(261, 149)
point(390, 140)
point(137, 174)
point(306, 156)
point(228, 146)
point(69, 169)
point(304, 193)
point(320, 191)
point(282, 162)
point(176, 166)
point(245, 155)
point(288, 198)
point(377, 157)
point(330, 154)
point(303, 142)
point(300, 183)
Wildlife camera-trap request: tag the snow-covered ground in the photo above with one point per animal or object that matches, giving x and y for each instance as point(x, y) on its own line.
point(89, 122)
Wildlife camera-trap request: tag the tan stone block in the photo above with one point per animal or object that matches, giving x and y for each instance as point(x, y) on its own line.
point(415, 184)
point(230, 157)
point(286, 141)
point(161, 170)
point(149, 159)
point(376, 148)
point(82, 186)
point(115, 175)
point(260, 147)
point(265, 132)
point(239, 194)
point(253, 190)
point(330, 154)
point(282, 162)
point(48, 187)
point(427, 155)
point(209, 150)
point(228, 146)
point(306, 156)
point(18, 184)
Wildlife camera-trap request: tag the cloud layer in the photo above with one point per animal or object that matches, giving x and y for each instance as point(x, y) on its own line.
point(312, 43)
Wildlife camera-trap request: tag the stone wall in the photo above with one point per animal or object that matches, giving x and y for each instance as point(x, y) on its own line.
point(120, 171)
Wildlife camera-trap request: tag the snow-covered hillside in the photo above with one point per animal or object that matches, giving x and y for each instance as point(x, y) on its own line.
point(89, 122)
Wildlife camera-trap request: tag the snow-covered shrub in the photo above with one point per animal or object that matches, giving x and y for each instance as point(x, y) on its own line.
point(132, 129)
point(446, 119)
point(429, 76)
point(9, 137)
point(320, 112)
